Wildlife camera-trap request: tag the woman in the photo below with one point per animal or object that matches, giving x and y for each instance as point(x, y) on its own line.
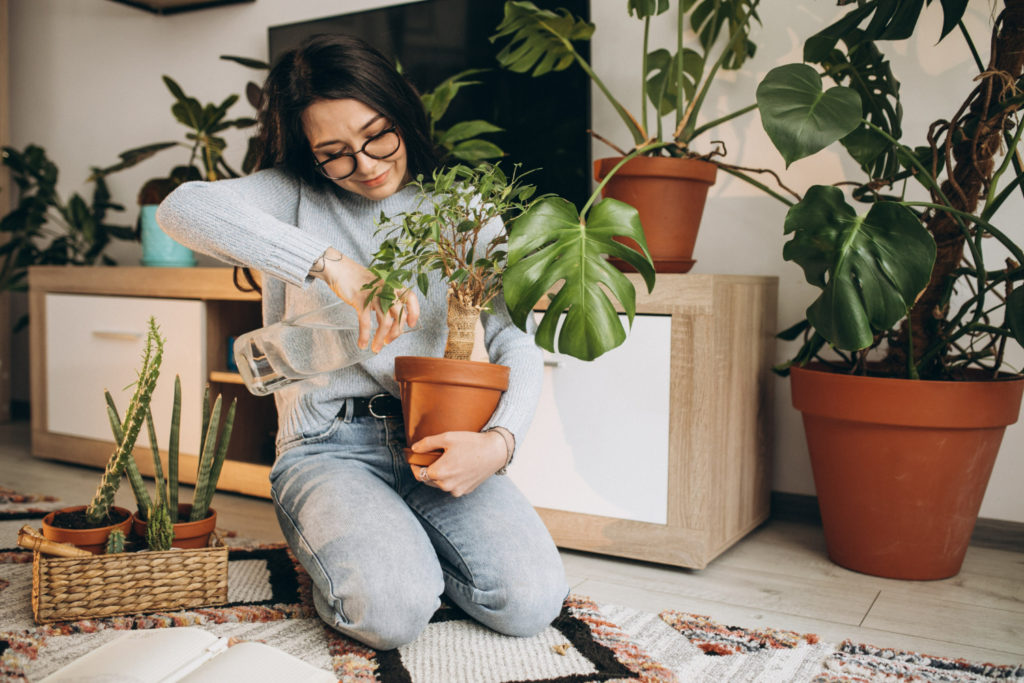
point(342, 133)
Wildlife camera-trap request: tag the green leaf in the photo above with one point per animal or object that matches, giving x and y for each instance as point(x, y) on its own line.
point(465, 130)
point(646, 8)
point(709, 17)
point(549, 244)
point(870, 268)
point(1015, 314)
point(247, 61)
point(865, 69)
point(541, 40)
point(799, 118)
point(132, 157)
point(952, 13)
point(476, 150)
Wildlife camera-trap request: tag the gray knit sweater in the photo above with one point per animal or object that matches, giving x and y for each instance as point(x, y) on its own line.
point(279, 225)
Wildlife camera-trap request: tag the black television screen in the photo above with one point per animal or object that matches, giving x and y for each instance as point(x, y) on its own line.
point(545, 120)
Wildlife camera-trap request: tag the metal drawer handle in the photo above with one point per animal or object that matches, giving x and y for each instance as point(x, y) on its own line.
point(113, 334)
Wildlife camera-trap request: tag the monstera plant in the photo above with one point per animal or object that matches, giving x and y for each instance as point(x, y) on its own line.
point(911, 388)
point(668, 179)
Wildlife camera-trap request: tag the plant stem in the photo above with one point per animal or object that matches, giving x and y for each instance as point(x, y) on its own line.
point(728, 117)
point(643, 76)
point(635, 153)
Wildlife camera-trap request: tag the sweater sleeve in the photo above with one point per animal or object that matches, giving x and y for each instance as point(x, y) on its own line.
point(508, 345)
point(247, 221)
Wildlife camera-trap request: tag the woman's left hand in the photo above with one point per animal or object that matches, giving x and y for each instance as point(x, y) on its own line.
point(468, 459)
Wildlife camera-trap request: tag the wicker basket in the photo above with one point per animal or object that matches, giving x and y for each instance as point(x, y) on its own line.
point(71, 588)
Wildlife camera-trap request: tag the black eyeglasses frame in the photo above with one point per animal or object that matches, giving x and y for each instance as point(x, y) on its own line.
point(362, 150)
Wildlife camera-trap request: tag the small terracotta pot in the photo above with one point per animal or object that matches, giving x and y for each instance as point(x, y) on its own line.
point(669, 193)
point(443, 395)
point(93, 540)
point(186, 534)
point(901, 466)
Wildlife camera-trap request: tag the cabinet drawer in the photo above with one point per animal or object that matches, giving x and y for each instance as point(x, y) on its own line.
point(598, 443)
point(95, 343)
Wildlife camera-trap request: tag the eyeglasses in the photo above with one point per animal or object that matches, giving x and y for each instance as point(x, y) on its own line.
point(343, 164)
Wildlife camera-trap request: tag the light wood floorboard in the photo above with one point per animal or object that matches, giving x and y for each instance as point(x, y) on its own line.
point(777, 577)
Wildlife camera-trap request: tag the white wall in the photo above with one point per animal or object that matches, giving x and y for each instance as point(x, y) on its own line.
point(85, 82)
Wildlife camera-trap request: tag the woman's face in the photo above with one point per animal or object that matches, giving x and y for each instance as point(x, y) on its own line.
point(334, 126)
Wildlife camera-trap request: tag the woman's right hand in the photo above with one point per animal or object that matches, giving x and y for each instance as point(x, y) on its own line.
point(346, 278)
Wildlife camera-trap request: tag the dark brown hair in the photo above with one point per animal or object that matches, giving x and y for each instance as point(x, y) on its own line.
point(333, 67)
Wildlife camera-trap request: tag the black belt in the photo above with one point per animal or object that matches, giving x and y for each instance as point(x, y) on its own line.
point(380, 406)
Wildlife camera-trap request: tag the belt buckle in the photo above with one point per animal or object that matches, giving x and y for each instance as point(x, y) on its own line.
point(369, 405)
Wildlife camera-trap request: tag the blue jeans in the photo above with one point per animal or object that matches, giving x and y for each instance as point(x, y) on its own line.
point(381, 547)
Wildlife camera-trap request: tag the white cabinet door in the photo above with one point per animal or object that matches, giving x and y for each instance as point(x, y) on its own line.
point(599, 441)
point(96, 342)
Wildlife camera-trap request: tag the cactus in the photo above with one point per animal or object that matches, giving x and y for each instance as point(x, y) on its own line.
point(99, 509)
point(131, 467)
point(159, 527)
point(115, 542)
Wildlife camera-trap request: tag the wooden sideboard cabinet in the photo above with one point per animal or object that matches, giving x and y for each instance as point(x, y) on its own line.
point(660, 450)
point(87, 330)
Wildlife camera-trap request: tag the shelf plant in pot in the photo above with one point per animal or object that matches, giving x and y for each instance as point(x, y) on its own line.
point(491, 242)
point(668, 180)
point(206, 126)
point(903, 376)
point(88, 526)
point(164, 522)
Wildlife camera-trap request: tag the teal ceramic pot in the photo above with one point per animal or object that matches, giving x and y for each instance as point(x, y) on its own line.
point(159, 249)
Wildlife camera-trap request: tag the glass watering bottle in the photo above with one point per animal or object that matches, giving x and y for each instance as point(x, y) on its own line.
point(300, 347)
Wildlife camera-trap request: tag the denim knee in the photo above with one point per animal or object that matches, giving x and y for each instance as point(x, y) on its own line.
point(382, 617)
point(521, 608)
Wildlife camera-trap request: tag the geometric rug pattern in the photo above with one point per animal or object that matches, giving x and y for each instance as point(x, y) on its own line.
point(269, 601)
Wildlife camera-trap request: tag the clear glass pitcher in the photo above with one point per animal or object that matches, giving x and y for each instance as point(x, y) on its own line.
point(301, 347)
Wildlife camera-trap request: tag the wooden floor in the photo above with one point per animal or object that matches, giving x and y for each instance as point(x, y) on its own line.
point(778, 577)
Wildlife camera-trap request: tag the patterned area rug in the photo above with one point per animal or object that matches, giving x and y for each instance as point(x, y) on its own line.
point(269, 601)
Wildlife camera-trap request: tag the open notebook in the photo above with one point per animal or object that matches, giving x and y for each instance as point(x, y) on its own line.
point(189, 655)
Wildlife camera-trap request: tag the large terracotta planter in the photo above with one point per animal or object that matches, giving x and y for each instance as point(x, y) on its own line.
point(442, 395)
point(186, 534)
point(93, 540)
point(901, 466)
point(669, 193)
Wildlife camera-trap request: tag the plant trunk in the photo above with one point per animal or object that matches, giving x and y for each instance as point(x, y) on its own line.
point(461, 329)
point(973, 162)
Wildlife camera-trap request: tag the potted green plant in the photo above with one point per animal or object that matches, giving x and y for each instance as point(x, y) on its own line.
point(665, 178)
point(88, 526)
point(44, 229)
point(164, 522)
point(206, 125)
point(545, 246)
point(902, 375)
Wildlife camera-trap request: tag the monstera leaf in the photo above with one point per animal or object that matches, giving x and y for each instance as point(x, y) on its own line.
point(799, 117)
point(1015, 314)
point(551, 244)
point(870, 268)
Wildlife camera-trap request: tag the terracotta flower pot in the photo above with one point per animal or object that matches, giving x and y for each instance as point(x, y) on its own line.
point(186, 534)
point(901, 466)
point(669, 193)
point(442, 395)
point(93, 540)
